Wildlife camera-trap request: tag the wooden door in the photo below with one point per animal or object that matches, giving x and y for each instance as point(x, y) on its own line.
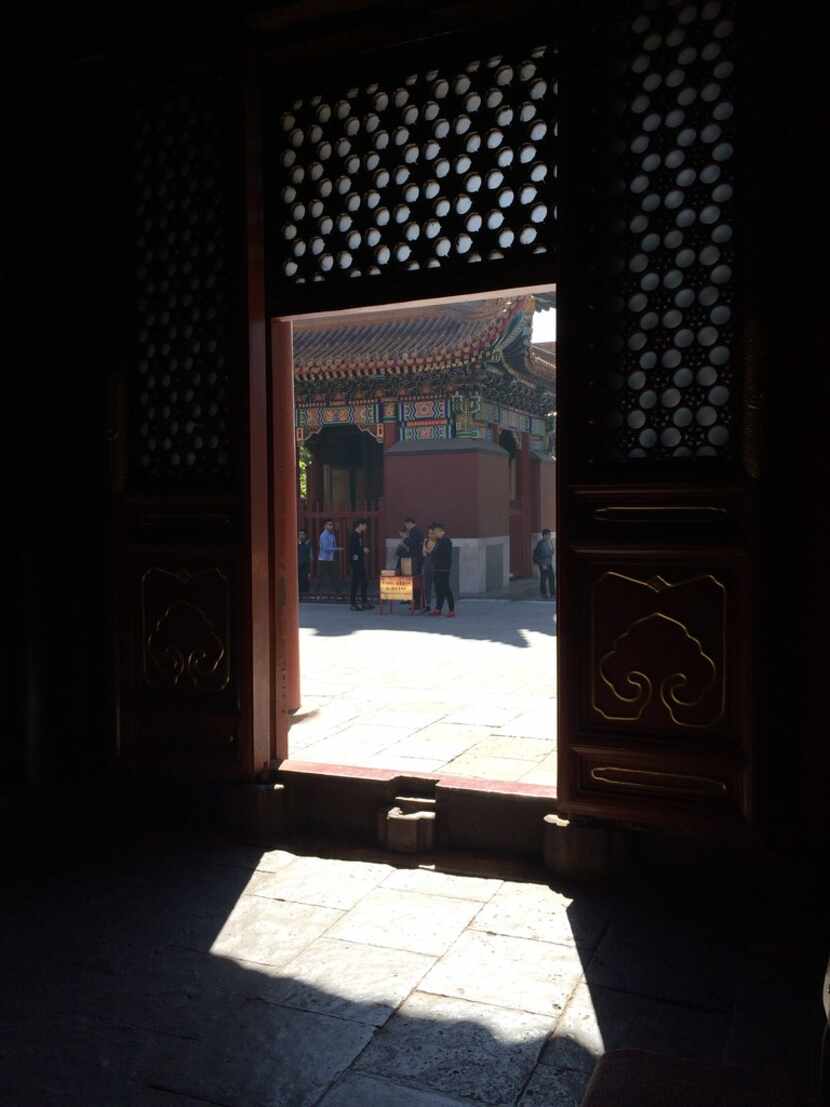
point(596, 151)
point(193, 676)
point(657, 412)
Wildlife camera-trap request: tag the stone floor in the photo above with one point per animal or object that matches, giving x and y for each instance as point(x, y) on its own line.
point(189, 974)
point(473, 696)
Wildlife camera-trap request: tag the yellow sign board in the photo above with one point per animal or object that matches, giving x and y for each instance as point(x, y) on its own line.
point(395, 588)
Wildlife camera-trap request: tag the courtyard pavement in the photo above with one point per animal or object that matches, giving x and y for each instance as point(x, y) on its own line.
point(473, 696)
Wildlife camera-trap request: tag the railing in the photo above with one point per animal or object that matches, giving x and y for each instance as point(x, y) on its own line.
point(312, 518)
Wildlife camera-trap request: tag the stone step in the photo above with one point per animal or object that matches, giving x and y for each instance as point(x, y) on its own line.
point(411, 804)
point(406, 832)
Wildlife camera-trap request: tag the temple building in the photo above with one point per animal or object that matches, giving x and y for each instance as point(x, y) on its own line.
point(442, 412)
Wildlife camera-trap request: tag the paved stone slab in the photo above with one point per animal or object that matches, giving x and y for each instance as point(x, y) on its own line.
point(434, 883)
point(425, 703)
point(525, 910)
point(303, 740)
point(526, 749)
point(485, 715)
point(447, 740)
point(537, 724)
point(548, 1088)
point(487, 768)
point(261, 1056)
point(406, 920)
point(673, 962)
point(314, 686)
point(372, 1091)
point(271, 932)
point(347, 980)
point(319, 881)
point(363, 740)
point(597, 1020)
point(507, 972)
point(460, 1048)
point(72, 1062)
point(413, 719)
point(543, 773)
point(398, 762)
point(175, 992)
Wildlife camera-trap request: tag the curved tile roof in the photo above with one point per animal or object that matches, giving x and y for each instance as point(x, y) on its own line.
point(423, 340)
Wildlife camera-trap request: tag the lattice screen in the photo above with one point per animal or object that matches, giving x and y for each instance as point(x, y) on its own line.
point(180, 421)
point(673, 385)
point(439, 168)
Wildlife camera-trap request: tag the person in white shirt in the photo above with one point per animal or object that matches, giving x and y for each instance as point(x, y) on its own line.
point(328, 582)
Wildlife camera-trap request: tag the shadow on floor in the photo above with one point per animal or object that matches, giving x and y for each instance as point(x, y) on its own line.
point(177, 973)
point(475, 621)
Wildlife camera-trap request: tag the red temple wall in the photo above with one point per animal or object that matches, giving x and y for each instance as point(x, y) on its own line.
point(467, 491)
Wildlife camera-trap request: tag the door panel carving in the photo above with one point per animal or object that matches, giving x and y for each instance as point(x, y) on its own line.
point(181, 689)
point(657, 695)
point(659, 650)
point(186, 629)
point(649, 788)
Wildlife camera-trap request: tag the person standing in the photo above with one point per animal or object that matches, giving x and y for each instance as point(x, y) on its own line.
point(426, 571)
point(441, 566)
point(543, 557)
point(415, 539)
point(303, 561)
point(326, 565)
point(401, 550)
point(357, 562)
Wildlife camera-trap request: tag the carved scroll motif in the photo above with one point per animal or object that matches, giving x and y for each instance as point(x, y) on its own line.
point(186, 629)
point(659, 650)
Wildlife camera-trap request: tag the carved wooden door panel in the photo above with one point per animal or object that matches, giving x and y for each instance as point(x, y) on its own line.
point(656, 716)
point(188, 633)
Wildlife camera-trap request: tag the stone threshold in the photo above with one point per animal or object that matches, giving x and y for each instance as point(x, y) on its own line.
point(471, 813)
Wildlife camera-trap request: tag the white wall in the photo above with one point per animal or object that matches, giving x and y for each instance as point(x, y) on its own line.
point(471, 557)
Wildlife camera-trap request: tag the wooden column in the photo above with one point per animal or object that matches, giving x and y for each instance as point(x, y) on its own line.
point(286, 585)
point(315, 491)
point(256, 639)
point(523, 563)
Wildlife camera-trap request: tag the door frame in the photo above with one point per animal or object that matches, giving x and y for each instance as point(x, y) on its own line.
point(284, 506)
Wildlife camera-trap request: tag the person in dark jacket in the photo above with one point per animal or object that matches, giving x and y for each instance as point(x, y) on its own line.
point(357, 563)
point(543, 557)
point(402, 549)
point(303, 560)
point(441, 566)
point(415, 538)
point(426, 572)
